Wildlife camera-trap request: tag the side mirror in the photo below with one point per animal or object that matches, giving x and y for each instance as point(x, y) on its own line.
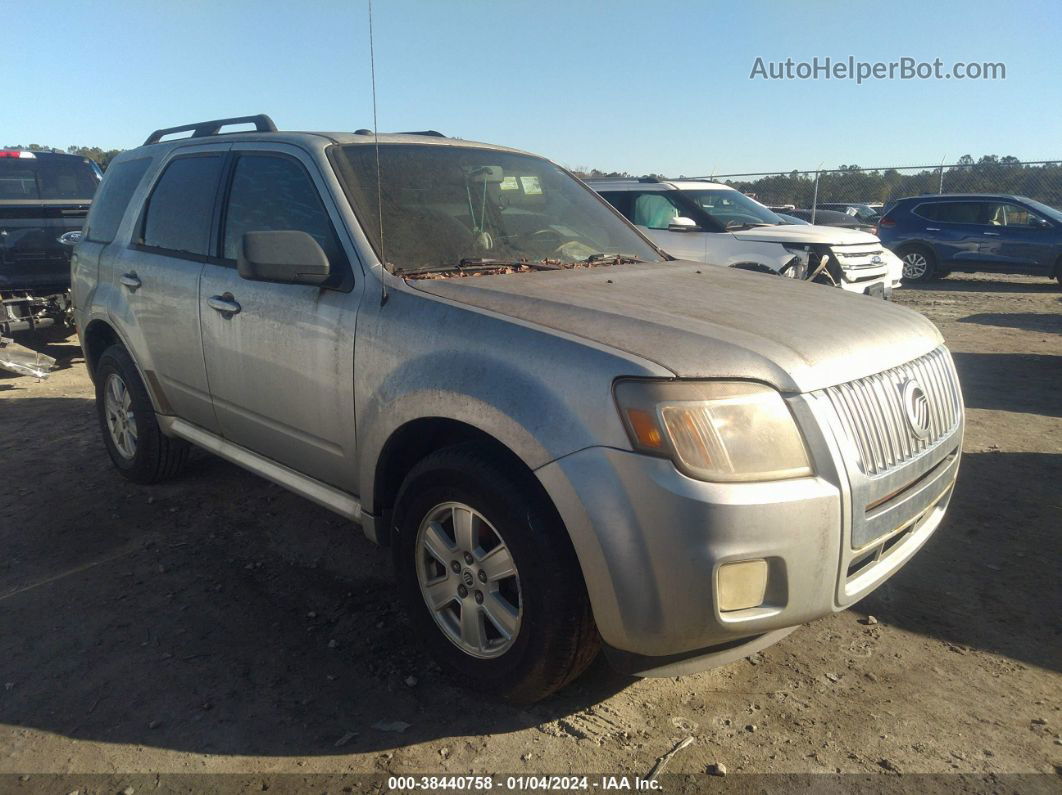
point(286, 257)
point(1037, 222)
point(70, 239)
point(683, 224)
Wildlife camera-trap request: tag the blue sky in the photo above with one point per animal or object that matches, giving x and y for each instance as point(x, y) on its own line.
point(640, 87)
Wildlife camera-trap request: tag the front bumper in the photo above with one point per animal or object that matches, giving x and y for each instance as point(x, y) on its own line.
point(650, 542)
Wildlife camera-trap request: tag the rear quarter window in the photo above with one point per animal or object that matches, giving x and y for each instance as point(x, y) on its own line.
point(110, 204)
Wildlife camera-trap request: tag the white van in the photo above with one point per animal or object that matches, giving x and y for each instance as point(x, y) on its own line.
point(713, 223)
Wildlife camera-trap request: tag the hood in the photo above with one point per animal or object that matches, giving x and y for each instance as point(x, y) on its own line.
point(701, 321)
point(806, 233)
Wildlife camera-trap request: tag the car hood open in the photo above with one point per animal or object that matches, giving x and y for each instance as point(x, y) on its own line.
point(809, 233)
point(701, 321)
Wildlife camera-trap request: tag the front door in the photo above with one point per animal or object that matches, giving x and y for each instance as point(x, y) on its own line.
point(1016, 240)
point(280, 366)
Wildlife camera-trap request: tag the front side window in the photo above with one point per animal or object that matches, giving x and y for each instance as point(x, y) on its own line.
point(455, 206)
point(1008, 214)
point(275, 194)
point(180, 210)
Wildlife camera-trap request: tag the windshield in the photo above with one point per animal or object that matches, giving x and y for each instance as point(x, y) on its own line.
point(732, 208)
point(1044, 209)
point(446, 207)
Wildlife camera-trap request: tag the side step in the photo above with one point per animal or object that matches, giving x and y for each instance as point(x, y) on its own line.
point(324, 495)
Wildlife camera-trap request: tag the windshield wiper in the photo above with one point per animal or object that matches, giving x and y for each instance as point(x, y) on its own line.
point(475, 262)
point(613, 256)
point(749, 225)
point(477, 265)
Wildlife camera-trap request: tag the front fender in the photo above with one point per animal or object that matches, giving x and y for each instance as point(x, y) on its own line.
point(540, 393)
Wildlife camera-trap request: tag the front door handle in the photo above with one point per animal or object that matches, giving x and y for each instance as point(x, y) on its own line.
point(225, 305)
point(932, 228)
point(992, 234)
point(130, 280)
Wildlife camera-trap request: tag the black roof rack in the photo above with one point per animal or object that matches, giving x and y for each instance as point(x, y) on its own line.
point(201, 129)
point(431, 133)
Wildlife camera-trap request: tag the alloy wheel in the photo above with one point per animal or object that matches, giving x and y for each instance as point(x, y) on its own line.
point(915, 265)
point(121, 422)
point(468, 580)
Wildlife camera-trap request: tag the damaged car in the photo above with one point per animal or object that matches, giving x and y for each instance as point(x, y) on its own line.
point(569, 440)
point(44, 198)
point(716, 224)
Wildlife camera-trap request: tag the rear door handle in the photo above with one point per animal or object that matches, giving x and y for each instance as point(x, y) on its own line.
point(992, 234)
point(225, 305)
point(130, 280)
point(932, 228)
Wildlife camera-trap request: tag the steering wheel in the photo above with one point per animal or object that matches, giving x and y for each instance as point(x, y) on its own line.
point(549, 237)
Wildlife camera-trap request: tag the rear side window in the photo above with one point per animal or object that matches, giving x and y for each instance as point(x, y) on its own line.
point(109, 206)
point(950, 212)
point(180, 210)
point(619, 199)
point(275, 194)
point(47, 176)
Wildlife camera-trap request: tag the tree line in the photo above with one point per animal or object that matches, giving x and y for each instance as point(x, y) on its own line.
point(847, 183)
point(852, 183)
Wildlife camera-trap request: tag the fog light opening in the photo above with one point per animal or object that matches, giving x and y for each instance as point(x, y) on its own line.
point(741, 585)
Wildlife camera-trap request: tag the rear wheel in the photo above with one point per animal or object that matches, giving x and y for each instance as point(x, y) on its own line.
point(919, 264)
point(489, 576)
point(131, 433)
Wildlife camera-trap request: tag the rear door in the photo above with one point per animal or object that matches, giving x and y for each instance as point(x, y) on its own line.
point(281, 366)
point(954, 229)
point(158, 277)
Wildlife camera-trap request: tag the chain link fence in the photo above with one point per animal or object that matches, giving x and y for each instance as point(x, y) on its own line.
point(1039, 180)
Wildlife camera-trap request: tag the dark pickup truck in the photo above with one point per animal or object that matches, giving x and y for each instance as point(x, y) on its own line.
point(43, 195)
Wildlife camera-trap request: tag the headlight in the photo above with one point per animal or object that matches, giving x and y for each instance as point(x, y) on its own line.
point(797, 267)
point(714, 430)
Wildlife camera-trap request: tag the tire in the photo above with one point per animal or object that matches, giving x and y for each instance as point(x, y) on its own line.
point(919, 264)
point(131, 433)
point(547, 636)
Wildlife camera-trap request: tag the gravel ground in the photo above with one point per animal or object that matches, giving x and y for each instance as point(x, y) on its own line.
point(219, 624)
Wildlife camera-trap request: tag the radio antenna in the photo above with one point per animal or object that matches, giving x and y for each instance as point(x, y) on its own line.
point(376, 141)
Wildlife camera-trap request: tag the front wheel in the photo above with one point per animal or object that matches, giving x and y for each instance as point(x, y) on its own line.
point(489, 577)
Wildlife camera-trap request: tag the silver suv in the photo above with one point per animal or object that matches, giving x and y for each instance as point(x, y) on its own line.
point(568, 439)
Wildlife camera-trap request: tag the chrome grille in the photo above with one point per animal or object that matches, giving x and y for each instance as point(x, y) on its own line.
point(873, 414)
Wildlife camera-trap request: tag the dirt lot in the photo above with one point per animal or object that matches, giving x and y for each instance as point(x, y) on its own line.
point(219, 624)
